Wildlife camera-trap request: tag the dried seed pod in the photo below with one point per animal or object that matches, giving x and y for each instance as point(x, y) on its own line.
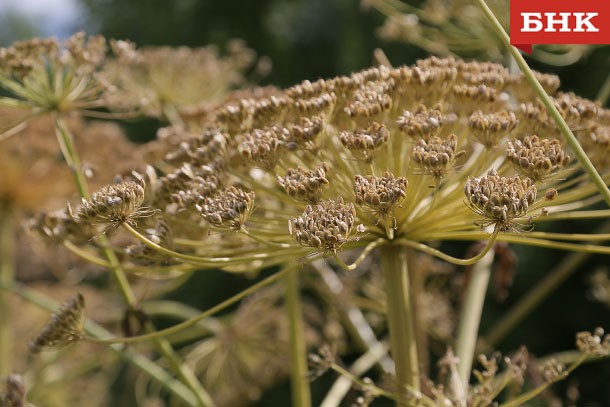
point(116, 204)
point(325, 226)
point(470, 93)
point(305, 133)
point(537, 158)
point(264, 146)
point(553, 371)
point(490, 129)
point(364, 142)
point(303, 184)
point(596, 142)
point(13, 392)
point(371, 99)
point(380, 194)
point(229, 209)
point(593, 343)
point(424, 123)
point(56, 227)
point(436, 156)
point(500, 200)
point(65, 326)
point(322, 105)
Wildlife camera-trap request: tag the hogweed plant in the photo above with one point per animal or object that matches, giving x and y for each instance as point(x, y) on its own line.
point(368, 171)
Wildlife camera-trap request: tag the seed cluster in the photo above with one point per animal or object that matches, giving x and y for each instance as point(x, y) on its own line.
point(424, 123)
point(380, 194)
point(500, 200)
point(65, 326)
point(490, 129)
point(229, 209)
point(593, 343)
point(115, 204)
point(537, 158)
point(303, 184)
point(325, 226)
point(363, 143)
point(436, 156)
point(264, 146)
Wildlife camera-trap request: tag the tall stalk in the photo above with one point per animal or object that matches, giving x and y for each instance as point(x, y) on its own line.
point(301, 394)
point(7, 275)
point(468, 330)
point(400, 320)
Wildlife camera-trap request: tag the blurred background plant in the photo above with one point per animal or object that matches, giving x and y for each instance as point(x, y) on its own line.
point(302, 40)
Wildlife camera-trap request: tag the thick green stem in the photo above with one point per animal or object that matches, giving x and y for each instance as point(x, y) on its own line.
point(468, 329)
point(66, 142)
point(301, 394)
point(550, 107)
point(7, 275)
point(400, 320)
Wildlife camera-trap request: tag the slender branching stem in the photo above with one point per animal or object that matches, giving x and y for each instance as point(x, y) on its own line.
point(301, 393)
point(524, 397)
point(437, 253)
point(367, 250)
point(7, 276)
point(206, 314)
point(94, 330)
point(331, 288)
point(580, 154)
point(204, 261)
point(400, 320)
point(264, 241)
point(468, 329)
point(66, 142)
point(349, 377)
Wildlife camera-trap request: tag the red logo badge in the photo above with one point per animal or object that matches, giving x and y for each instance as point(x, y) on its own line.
point(559, 22)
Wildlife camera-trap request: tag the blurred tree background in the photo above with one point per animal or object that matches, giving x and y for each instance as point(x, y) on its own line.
point(311, 39)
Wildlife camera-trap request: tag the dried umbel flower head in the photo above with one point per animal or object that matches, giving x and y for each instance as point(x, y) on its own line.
point(593, 343)
point(12, 393)
point(41, 74)
point(114, 205)
point(303, 184)
point(500, 200)
point(65, 327)
point(380, 194)
point(490, 129)
point(150, 79)
point(437, 156)
point(325, 227)
point(244, 356)
point(264, 146)
point(596, 141)
point(374, 130)
point(537, 158)
point(553, 371)
point(229, 209)
point(56, 227)
point(363, 143)
point(424, 123)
